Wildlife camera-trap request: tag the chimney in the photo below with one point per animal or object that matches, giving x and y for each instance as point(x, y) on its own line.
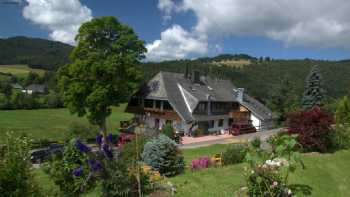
point(196, 77)
point(239, 94)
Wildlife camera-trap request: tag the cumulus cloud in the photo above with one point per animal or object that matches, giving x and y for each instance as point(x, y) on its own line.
point(61, 17)
point(316, 23)
point(176, 43)
point(167, 7)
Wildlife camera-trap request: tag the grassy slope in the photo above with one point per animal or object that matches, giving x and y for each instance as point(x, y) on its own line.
point(19, 70)
point(326, 174)
point(50, 123)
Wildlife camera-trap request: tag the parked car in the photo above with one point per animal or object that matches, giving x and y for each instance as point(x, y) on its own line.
point(41, 154)
point(242, 128)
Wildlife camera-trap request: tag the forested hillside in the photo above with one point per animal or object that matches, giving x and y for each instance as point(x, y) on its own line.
point(35, 52)
point(262, 77)
point(259, 76)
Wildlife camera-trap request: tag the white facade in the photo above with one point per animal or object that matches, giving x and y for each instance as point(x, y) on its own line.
point(255, 121)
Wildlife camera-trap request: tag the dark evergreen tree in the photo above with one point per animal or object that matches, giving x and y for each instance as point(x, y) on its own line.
point(314, 93)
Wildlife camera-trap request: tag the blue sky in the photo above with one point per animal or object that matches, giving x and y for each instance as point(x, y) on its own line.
point(192, 28)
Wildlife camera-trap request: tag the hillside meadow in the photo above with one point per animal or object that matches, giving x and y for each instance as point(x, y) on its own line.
point(325, 175)
point(50, 124)
point(20, 70)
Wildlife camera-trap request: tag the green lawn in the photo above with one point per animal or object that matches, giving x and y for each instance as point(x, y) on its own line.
point(19, 70)
point(326, 175)
point(50, 123)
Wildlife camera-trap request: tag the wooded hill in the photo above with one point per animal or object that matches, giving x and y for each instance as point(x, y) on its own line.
point(35, 52)
point(259, 76)
point(263, 75)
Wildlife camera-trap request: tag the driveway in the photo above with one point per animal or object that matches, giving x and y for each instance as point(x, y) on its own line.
point(233, 139)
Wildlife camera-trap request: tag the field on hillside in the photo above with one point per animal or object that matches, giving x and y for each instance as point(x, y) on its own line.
point(19, 70)
point(50, 123)
point(233, 63)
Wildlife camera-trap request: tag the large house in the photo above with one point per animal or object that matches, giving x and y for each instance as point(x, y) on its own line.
point(194, 102)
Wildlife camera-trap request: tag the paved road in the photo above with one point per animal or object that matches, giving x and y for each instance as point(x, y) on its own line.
point(235, 139)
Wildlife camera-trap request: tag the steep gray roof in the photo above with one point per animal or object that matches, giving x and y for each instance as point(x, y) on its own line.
point(184, 95)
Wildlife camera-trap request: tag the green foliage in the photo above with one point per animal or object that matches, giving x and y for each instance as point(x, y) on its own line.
point(128, 151)
point(269, 177)
point(61, 167)
point(35, 52)
point(283, 98)
point(16, 178)
point(256, 142)
point(163, 155)
point(314, 94)
point(117, 182)
point(168, 130)
point(342, 114)
point(103, 71)
point(234, 154)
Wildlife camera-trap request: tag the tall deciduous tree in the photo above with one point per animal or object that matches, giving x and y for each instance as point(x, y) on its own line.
point(314, 94)
point(104, 71)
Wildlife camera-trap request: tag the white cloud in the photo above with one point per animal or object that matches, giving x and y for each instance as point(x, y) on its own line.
point(176, 43)
point(315, 23)
point(167, 7)
point(61, 17)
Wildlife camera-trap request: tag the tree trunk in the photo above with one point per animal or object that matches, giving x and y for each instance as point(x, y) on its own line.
point(103, 130)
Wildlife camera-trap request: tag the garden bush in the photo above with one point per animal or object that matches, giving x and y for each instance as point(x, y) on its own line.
point(128, 150)
point(314, 129)
point(16, 178)
point(268, 172)
point(69, 170)
point(168, 130)
point(163, 155)
point(234, 154)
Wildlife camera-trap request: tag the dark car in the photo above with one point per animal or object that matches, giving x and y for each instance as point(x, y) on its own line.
point(41, 154)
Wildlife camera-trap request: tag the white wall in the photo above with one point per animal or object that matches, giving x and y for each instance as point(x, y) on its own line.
point(255, 121)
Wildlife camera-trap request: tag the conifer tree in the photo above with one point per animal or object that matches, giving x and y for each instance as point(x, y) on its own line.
point(314, 92)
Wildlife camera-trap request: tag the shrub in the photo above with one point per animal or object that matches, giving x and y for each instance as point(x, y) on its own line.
point(168, 130)
point(70, 170)
point(128, 150)
point(234, 154)
point(16, 178)
point(163, 155)
point(342, 114)
point(202, 162)
point(256, 142)
point(314, 129)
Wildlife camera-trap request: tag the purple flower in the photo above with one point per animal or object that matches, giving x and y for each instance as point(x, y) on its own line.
point(99, 139)
point(110, 137)
point(94, 165)
point(82, 147)
point(78, 171)
point(107, 151)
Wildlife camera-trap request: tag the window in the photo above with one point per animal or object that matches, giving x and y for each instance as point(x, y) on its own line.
point(221, 123)
point(158, 103)
point(148, 103)
point(167, 106)
point(230, 122)
point(211, 124)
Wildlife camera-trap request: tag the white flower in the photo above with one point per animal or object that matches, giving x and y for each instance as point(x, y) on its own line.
point(289, 192)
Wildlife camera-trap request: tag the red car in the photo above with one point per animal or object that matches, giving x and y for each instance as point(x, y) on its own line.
point(242, 128)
